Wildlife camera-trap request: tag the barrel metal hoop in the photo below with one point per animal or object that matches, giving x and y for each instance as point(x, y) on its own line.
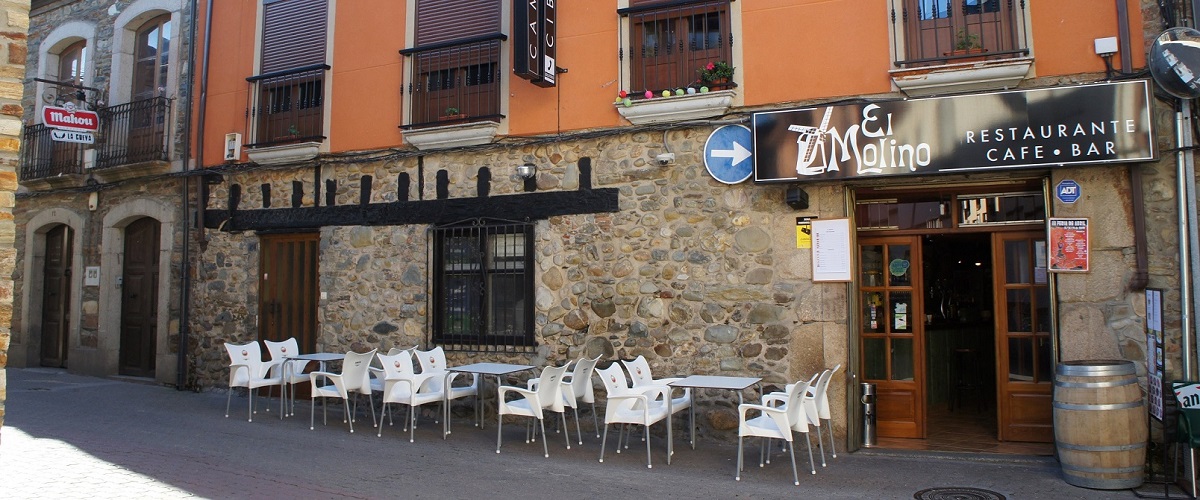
point(1104, 470)
point(1113, 406)
point(1097, 368)
point(1097, 385)
point(1120, 447)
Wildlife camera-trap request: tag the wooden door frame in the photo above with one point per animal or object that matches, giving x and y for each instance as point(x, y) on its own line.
point(1043, 387)
point(149, 364)
point(63, 334)
point(266, 327)
point(917, 386)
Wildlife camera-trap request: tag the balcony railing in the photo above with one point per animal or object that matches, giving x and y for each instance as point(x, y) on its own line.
point(43, 157)
point(455, 82)
point(135, 132)
point(929, 32)
point(288, 106)
point(669, 43)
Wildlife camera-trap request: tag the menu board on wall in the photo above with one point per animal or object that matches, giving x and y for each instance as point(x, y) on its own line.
point(831, 255)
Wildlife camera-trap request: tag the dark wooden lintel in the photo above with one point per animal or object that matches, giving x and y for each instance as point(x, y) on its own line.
point(531, 206)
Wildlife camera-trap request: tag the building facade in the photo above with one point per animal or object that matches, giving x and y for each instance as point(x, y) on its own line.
point(100, 217)
point(724, 187)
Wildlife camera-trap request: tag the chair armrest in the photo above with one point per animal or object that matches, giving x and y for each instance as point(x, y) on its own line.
point(505, 389)
point(335, 378)
point(776, 414)
point(774, 398)
point(532, 384)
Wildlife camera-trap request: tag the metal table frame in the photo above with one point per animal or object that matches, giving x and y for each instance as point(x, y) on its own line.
point(495, 369)
point(737, 384)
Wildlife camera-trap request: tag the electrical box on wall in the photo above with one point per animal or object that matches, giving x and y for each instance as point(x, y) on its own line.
point(233, 146)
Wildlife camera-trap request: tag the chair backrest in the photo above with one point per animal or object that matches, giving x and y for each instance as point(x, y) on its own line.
point(581, 379)
point(433, 360)
point(398, 365)
point(639, 371)
point(795, 405)
point(614, 379)
point(282, 349)
point(355, 374)
point(550, 387)
point(822, 392)
point(249, 354)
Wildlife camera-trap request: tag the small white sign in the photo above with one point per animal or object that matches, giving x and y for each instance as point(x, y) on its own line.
point(69, 136)
point(91, 276)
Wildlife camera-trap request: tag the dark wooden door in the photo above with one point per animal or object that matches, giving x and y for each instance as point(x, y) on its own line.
point(893, 332)
point(287, 299)
point(139, 298)
point(56, 296)
point(1024, 362)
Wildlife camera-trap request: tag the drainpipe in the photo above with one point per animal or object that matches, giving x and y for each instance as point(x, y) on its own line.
point(1187, 209)
point(1141, 277)
point(184, 265)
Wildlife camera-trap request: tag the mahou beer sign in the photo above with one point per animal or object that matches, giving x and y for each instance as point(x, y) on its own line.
point(70, 118)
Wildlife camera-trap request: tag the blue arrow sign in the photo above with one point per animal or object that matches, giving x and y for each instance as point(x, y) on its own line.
point(1067, 191)
point(727, 154)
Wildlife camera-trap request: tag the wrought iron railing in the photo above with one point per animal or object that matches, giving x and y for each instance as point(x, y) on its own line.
point(134, 132)
point(288, 106)
point(928, 32)
point(671, 45)
point(483, 286)
point(42, 157)
point(1177, 13)
point(455, 82)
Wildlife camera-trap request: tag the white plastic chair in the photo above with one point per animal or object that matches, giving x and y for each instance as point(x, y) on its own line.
point(799, 424)
point(290, 371)
point(816, 405)
point(401, 385)
point(433, 361)
point(639, 372)
point(247, 369)
point(354, 379)
point(577, 389)
point(644, 406)
point(548, 397)
point(773, 423)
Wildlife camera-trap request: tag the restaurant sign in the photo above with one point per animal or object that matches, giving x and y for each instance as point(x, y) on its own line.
point(535, 37)
point(1101, 123)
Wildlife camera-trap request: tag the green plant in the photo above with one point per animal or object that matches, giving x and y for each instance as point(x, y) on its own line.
point(292, 130)
point(965, 40)
point(716, 70)
point(450, 111)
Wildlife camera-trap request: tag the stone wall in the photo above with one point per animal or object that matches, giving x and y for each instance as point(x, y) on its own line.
point(14, 22)
point(696, 275)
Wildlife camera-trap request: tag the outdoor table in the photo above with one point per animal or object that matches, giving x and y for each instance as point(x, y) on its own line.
point(319, 357)
point(737, 384)
point(496, 369)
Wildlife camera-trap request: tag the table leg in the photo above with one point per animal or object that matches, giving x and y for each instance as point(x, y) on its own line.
point(692, 418)
point(446, 406)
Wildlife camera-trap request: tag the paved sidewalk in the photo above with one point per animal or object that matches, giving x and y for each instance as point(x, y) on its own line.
point(69, 436)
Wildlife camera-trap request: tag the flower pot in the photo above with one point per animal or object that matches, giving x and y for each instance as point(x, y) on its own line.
point(959, 55)
point(446, 118)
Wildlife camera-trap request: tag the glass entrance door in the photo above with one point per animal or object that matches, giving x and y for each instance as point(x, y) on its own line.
point(1023, 346)
point(892, 332)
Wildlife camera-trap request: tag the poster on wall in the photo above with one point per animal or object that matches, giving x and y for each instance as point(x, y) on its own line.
point(803, 232)
point(1154, 354)
point(831, 255)
point(1068, 245)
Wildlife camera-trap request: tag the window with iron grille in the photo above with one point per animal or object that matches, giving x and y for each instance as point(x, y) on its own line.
point(670, 42)
point(455, 62)
point(949, 31)
point(289, 98)
point(483, 285)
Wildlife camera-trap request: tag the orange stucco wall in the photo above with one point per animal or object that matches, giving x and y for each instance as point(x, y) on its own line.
point(792, 50)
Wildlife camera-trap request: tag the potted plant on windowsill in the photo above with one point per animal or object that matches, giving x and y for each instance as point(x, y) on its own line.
point(966, 43)
point(716, 74)
point(451, 113)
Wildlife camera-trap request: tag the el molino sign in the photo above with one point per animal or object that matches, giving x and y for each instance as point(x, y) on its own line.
point(1100, 123)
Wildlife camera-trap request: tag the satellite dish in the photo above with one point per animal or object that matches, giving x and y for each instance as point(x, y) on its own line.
point(1175, 62)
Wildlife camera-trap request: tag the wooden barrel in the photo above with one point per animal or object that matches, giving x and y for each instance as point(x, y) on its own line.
point(1100, 428)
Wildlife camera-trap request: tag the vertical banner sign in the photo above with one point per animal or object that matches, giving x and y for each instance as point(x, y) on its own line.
point(1068, 245)
point(1154, 355)
point(535, 32)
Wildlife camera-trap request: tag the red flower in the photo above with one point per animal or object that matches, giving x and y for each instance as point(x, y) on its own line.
point(710, 66)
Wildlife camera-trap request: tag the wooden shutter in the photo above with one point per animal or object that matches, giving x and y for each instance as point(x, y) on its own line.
point(445, 20)
point(294, 34)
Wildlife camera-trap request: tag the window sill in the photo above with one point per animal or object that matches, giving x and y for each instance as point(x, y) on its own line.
point(678, 108)
point(287, 153)
point(452, 136)
point(961, 77)
point(131, 171)
point(55, 182)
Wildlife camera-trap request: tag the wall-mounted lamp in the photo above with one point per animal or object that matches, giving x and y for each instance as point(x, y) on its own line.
point(796, 198)
point(527, 171)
